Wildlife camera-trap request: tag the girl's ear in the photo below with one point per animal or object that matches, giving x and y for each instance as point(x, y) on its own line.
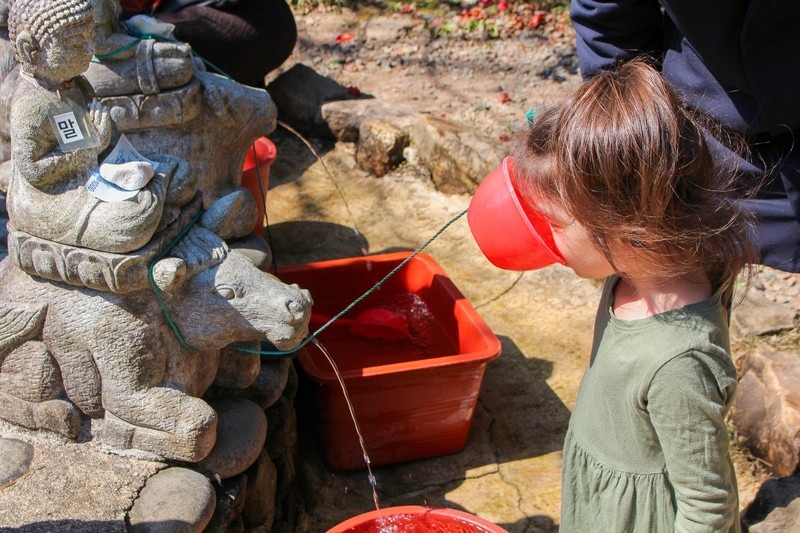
point(27, 49)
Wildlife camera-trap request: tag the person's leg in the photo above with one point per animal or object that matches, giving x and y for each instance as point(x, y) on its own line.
point(245, 41)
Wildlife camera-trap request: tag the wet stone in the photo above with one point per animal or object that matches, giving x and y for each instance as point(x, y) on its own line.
point(231, 497)
point(271, 382)
point(175, 500)
point(287, 472)
point(15, 460)
point(282, 420)
point(262, 483)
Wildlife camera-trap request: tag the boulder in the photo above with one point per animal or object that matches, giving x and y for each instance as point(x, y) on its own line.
point(766, 410)
point(776, 508)
point(458, 157)
point(175, 500)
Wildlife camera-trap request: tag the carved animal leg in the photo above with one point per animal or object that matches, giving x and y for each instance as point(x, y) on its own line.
point(60, 416)
point(30, 373)
point(81, 380)
point(162, 421)
point(31, 384)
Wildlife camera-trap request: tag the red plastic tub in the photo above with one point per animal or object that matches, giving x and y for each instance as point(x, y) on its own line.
point(414, 397)
point(259, 158)
point(416, 519)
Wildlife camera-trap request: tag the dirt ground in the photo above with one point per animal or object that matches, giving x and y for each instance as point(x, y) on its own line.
point(469, 77)
point(484, 82)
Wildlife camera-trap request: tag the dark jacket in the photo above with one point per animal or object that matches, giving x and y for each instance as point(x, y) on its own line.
point(737, 60)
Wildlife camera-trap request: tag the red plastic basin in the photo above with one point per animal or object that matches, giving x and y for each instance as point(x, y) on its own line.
point(416, 519)
point(413, 398)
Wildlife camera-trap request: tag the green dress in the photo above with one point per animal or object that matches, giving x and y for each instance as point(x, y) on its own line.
point(647, 446)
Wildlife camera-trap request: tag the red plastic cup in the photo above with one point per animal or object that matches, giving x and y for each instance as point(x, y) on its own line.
point(510, 235)
point(256, 164)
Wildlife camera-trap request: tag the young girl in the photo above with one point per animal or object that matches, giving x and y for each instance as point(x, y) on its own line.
point(622, 173)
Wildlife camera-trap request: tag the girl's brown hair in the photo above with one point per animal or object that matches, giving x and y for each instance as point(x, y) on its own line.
point(626, 160)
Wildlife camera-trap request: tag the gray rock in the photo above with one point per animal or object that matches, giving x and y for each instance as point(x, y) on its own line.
point(70, 487)
point(271, 382)
point(458, 157)
point(238, 369)
point(231, 497)
point(282, 419)
point(776, 508)
point(176, 500)
point(241, 434)
point(380, 146)
point(757, 315)
point(292, 383)
point(15, 459)
point(261, 487)
point(286, 465)
point(344, 117)
point(766, 411)
point(299, 94)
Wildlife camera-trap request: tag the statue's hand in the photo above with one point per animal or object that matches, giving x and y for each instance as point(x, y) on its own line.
point(215, 99)
point(101, 118)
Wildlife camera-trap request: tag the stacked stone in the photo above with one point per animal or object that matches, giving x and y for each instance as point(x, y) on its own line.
point(239, 486)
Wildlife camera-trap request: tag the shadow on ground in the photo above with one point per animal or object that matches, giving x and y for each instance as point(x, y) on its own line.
point(518, 419)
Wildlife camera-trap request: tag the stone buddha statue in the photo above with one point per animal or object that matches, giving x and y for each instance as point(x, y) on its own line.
point(58, 132)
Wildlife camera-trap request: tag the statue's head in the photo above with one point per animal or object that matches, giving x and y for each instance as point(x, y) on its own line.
point(52, 38)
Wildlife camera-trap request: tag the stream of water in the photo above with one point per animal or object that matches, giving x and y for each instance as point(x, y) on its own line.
point(388, 522)
point(372, 481)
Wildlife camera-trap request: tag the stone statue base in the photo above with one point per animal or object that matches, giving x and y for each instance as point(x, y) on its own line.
point(102, 271)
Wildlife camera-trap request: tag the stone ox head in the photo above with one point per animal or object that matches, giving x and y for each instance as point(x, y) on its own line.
point(216, 296)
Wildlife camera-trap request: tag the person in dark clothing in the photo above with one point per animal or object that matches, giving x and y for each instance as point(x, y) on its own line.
point(736, 61)
point(245, 39)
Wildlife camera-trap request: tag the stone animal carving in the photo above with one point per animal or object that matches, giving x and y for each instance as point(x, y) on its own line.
point(209, 121)
point(164, 103)
point(66, 350)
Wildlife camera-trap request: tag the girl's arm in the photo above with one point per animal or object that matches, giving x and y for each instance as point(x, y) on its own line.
point(687, 401)
point(610, 30)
